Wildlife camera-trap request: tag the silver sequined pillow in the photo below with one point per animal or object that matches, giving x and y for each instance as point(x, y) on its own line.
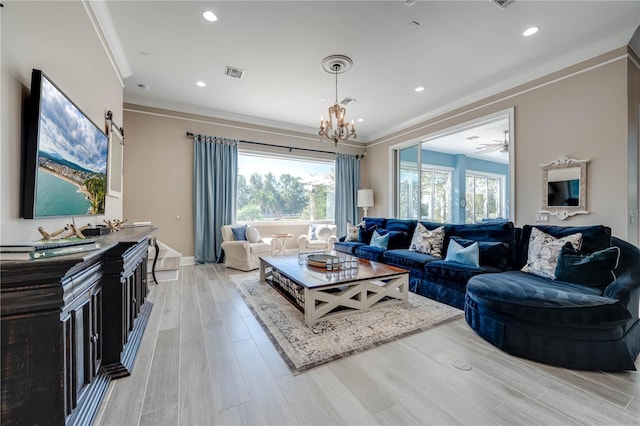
point(427, 242)
point(544, 250)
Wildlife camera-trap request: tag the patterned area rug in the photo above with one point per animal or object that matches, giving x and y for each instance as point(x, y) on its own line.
point(303, 348)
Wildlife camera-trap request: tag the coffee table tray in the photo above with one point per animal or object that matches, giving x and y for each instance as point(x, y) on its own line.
point(320, 260)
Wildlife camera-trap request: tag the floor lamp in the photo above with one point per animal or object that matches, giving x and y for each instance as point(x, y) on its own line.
point(365, 199)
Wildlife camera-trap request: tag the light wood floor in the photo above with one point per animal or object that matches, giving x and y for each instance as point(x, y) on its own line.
point(205, 360)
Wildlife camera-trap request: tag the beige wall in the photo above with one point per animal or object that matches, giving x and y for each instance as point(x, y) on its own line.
point(580, 112)
point(59, 39)
point(158, 166)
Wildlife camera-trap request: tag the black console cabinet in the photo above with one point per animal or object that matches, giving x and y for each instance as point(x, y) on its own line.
point(69, 325)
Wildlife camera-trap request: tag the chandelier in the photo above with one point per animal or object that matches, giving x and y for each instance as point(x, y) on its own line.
point(336, 64)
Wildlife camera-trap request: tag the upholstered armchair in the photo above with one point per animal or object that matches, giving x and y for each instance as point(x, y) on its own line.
point(243, 254)
point(320, 237)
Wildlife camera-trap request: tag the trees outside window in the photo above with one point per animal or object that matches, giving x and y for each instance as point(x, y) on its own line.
point(425, 195)
point(271, 188)
point(409, 194)
point(436, 194)
point(485, 197)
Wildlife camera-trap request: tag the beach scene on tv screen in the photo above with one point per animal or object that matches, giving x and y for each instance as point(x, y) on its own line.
point(72, 159)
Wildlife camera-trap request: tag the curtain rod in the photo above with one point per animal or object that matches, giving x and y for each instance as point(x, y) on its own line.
point(290, 148)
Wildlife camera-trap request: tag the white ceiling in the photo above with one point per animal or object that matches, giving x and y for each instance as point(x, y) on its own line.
point(462, 51)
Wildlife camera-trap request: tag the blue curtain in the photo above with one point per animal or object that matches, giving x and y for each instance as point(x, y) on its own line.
point(215, 168)
point(347, 184)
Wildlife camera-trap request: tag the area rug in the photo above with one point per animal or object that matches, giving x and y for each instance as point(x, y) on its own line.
point(303, 348)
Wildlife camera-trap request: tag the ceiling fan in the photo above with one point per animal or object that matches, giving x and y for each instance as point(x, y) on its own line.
point(500, 146)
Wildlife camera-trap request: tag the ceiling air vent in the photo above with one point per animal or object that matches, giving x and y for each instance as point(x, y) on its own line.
point(347, 101)
point(502, 4)
point(233, 72)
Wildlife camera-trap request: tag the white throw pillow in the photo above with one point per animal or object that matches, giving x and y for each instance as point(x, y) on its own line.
point(253, 236)
point(323, 233)
point(427, 242)
point(544, 250)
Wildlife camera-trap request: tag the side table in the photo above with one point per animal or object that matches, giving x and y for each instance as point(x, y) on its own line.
point(280, 240)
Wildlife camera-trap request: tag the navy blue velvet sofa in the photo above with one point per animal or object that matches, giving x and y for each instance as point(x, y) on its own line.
point(428, 275)
point(562, 323)
point(546, 320)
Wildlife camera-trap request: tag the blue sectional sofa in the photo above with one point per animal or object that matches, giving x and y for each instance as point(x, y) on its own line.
point(431, 276)
point(544, 319)
point(557, 322)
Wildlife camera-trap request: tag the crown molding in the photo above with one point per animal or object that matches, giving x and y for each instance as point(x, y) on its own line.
point(488, 102)
point(103, 24)
point(222, 115)
point(592, 51)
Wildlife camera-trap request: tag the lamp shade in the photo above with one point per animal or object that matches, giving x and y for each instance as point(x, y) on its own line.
point(365, 198)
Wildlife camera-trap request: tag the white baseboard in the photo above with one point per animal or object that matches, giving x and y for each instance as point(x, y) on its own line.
point(164, 276)
point(188, 260)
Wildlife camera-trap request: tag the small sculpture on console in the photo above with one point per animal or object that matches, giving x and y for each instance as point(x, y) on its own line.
point(47, 236)
point(75, 231)
point(115, 225)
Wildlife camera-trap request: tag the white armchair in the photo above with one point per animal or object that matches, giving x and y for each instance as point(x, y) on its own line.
point(243, 255)
point(324, 238)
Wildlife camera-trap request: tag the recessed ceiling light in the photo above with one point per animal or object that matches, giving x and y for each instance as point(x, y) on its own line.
point(323, 99)
point(209, 16)
point(200, 83)
point(530, 31)
point(419, 89)
point(360, 120)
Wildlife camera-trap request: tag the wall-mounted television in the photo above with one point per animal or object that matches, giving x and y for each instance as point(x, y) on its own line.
point(65, 166)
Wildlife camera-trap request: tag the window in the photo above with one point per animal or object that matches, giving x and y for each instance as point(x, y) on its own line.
point(284, 188)
point(484, 196)
point(463, 174)
point(435, 200)
point(425, 195)
point(408, 188)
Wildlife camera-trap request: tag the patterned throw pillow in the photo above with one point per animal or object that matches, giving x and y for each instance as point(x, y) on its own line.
point(544, 250)
point(427, 242)
point(352, 231)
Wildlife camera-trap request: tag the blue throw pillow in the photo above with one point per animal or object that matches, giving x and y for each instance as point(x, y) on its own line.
point(465, 255)
point(397, 239)
point(312, 232)
point(364, 233)
point(239, 232)
point(591, 270)
point(492, 253)
point(380, 241)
